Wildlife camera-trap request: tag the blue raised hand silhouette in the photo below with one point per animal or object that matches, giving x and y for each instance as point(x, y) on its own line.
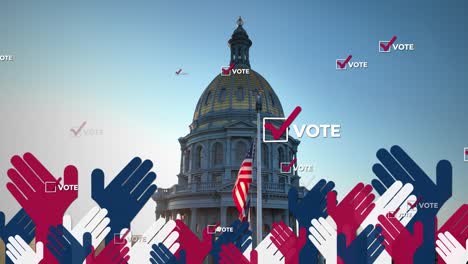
point(126, 194)
point(396, 165)
point(161, 255)
point(240, 230)
point(65, 248)
point(365, 248)
point(313, 205)
point(21, 224)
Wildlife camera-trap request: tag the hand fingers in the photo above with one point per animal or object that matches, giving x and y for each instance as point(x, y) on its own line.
point(389, 194)
point(318, 186)
point(137, 175)
point(97, 184)
point(23, 169)
point(401, 196)
point(12, 253)
point(442, 254)
point(126, 172)
point(444, 177)
point(352, 194)
point(39, 250)
point(155, 228)
point(388, 226)
point(21, 242)
point(21, 183)
point(101, 236)
point(171, 239)
point(164, 232)
point(331, 202)
point(38, 168)
point(147, 194)
point(16, 247)
point(393, 167)
point(173, 249)
point(448, 245)
point(95, 214)
point(144, 184)
point(70, 175)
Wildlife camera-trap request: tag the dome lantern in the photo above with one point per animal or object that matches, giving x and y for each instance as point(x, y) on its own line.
point(240, 45)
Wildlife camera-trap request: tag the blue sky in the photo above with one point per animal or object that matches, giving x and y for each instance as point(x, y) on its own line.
point(116, 58)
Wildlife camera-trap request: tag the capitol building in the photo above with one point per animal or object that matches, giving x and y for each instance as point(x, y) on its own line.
point(223, 127)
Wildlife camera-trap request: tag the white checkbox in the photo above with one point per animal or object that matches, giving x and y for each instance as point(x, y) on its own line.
point(285, 164)
point(274, 140)
point(225, 68)
point(381, 50)
point(465, 154)
point(50, 187)
point(340, 61)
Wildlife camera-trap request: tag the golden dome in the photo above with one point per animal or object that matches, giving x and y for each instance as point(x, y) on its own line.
point(227, 95)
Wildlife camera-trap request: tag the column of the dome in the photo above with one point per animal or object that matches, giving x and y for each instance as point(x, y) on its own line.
point(205, 162)
point(227, 161)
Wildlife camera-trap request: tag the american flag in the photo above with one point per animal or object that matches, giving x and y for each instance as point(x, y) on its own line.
point(241, 187)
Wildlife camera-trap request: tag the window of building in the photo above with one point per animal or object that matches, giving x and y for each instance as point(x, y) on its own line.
point(240, 93)
point(217, 177)
point(281, 157)
point(218, 153)
point(187, 161)
point(282, 180)
point(198, 157)
point(208, 98)
point(272, 100)
point(265, 155)
point(222, 94)
point(240, 151)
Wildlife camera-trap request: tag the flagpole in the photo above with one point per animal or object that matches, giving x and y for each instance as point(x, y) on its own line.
point(259, 173)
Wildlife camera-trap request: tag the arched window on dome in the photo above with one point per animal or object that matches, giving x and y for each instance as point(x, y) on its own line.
point(272, 100)
point(240, 93)
point(281, 157)
point(217, 154)
point(265, 155)
point(222, 94)
point(198, 157)
point(208, 98)
point(240, 151)
point(187, 161)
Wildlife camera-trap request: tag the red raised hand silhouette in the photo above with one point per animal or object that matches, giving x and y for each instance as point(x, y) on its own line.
point(195, 250)
point(230, 254)
point(114, 252)
point(287, 243)
point(42, 200)
point(399, 242)
point(352, 210)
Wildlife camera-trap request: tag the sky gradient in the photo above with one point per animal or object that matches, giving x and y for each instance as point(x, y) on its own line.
point(112, 64)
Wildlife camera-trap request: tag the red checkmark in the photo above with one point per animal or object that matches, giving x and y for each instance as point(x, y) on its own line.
point(415, 203)
point(343, 64)
point(78, 130)
point(277, 133)
point(286, 168)
point(466, 152)
point(226, 71)
point(386, 47)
